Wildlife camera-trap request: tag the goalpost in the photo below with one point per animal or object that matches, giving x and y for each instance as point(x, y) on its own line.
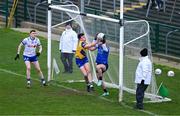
point(128, 49)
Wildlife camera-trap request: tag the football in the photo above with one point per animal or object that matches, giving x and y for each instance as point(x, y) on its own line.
point(158, 71)
point(170, 73)
point(100, 35)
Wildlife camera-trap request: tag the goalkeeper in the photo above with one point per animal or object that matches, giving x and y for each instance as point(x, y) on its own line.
point(82, 60)
point(30, 56)
point(101, 60)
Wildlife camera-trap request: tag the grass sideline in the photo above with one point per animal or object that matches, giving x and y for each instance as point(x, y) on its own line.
point(16, 99)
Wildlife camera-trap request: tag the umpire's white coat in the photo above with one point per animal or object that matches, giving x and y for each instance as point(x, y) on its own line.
point(68, 41)
point(144, 71)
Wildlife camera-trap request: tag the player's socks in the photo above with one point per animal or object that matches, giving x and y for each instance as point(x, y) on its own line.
point(99, 81)
point(105, 90)
point(100, 78)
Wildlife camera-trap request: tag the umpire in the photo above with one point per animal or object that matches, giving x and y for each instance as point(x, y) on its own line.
point(67, 47)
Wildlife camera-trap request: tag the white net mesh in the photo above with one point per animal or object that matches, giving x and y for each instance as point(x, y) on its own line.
point(136, 37)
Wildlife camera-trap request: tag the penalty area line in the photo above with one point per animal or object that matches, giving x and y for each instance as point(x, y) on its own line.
point(75, 90)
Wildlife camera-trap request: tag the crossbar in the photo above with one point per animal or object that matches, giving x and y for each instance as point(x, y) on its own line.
point(84, 14)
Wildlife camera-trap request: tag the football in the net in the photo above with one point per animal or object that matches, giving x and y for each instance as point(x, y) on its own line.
point(158, 71)
point(170, 73)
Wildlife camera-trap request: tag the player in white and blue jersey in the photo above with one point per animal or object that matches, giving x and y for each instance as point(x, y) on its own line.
point(102, 60)
point(30, 55)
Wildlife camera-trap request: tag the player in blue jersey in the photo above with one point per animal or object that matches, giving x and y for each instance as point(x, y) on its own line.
point(102, 60)
point(30, 55)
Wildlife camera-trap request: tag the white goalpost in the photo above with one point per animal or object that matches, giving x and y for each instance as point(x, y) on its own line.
point(124, 56)
point(121, 51)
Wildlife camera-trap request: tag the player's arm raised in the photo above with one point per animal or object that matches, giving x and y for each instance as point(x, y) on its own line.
point(89, 45)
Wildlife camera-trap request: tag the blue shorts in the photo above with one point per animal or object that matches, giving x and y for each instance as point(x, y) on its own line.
point(31, 59)
point(81, 62)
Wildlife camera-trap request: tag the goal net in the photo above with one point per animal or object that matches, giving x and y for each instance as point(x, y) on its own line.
point(136, 37)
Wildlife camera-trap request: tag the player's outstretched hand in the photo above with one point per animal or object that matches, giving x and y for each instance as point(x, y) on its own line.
point(17, 57)
point(38, 54)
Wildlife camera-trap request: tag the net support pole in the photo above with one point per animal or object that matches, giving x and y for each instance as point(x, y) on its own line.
point(121, 51)
point(82, 8)
point(49, 41)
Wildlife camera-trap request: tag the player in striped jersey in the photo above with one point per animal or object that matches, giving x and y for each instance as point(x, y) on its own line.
point(30, 55)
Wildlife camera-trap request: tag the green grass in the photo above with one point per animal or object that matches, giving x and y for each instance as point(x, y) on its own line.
point(16, 99)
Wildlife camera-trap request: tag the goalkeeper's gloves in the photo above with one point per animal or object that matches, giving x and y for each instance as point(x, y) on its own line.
point(17, 57)
point(38, 54)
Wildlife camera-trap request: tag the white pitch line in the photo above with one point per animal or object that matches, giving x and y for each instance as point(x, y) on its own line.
point(10, 72)
point(145, 111)
point(75, 90)
point(65, 87)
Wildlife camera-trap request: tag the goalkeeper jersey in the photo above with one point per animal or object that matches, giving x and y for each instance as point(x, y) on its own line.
point(102, 54)
point(30, 45)
point(81, 51)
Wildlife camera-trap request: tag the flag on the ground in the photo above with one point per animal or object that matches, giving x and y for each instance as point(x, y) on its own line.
point(163, 91)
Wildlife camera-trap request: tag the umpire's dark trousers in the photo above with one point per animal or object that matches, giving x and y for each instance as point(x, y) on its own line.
point(141, 88)
point(67, 60)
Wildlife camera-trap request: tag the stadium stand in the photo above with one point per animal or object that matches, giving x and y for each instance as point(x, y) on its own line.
point(132, 8)
point(159, 21)
point(159, 16)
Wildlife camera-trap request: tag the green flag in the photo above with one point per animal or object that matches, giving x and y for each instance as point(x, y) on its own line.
point(163, 91)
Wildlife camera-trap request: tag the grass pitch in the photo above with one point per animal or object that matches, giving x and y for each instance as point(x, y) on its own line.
point(66, 98)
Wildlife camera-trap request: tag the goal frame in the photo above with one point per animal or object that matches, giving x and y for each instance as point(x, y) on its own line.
point(121, 38)
point(121, 33)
